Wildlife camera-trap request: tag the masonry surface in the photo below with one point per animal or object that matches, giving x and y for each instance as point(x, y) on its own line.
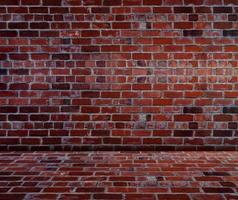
point(119, 175)
point(118, 74)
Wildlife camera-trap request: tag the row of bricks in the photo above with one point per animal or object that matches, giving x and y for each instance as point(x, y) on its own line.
point(120, 11)
point(83, 59)
point(195, 58)
point(202, 78)
point(32, 109)
point(116, 190)
point(71, 178)
point(195, 44)
point(169, 71)
point(214, 106)
point(160, 90)
point(127, 25)
point(116, 2)
point(165, 134)
point(115, 10)
point(186, 51)
point(166, 82)
point(108, 105)
point(187, 59)
point(113, 117)
point(123, 25)
point(141, 196)
point(58, 123)
point(165, 85)
point(205, 98)
point(103, 140)
point(70, 147)
point(136, 21)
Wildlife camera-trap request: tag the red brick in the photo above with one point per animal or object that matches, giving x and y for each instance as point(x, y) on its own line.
point(222, 117)
point(9, 2)
point(51, 140)
point(152, 141)
point(234, 2)
point(173, 197)
point(194, 2)
point(51, 2)
point(107, 196)
point(112, 3)
point(152, 2)
point(131, 2)
point(90, 189)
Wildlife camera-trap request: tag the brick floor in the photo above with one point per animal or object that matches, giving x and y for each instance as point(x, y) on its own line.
point(119, 175)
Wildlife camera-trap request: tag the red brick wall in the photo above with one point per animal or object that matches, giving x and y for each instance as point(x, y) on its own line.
point(118, 74)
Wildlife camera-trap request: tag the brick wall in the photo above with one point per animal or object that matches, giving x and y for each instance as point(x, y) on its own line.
point(118, 74)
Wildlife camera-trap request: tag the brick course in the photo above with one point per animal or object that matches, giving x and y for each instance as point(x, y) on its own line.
point(118, 75)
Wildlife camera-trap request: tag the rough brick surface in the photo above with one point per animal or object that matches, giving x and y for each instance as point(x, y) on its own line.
point(119, 175)
point(118, 74)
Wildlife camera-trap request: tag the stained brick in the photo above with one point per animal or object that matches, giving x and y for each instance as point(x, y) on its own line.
point(231, 33)
point(112, 3)
point(216, 190)
point(152, 2)
point(30, 2)
point(222, 9)
point(192, 33)
point(193, 17)
point(222, 133)
point(8, 33)
point(230, 109)
point(183, 9)
point(232, 125)
point(230, 2)
point(9, 2)
point(193, 2)
point(3, 71)
point(183, 133)
point(51, 2)
point(192, 110)
point(19, 71)
point(173, 196)
point(233, 17)
point(216, 174)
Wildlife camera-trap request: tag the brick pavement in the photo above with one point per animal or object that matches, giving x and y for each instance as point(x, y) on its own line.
point(119, 175)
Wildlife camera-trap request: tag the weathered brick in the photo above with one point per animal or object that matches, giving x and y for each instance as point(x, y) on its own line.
point(183, 133)
point(231, 33)
point(51, 2)
point(222, 9)
point(192, 110)
point(222, 133)
point(216, 190)
point(152, 2)
point(230, 110)
point(9, 2)
point(192, 33)
point(233, 17)
point(183, 9)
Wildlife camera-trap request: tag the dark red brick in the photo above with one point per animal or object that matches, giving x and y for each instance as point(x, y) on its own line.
point(51, 2)
point(222, 9)
point(9, 2)
point(112, 3)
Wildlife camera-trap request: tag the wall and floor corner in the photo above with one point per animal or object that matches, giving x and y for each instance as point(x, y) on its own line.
point(118, 74)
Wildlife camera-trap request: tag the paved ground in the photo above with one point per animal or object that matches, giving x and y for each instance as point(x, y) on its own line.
point(119, 175)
